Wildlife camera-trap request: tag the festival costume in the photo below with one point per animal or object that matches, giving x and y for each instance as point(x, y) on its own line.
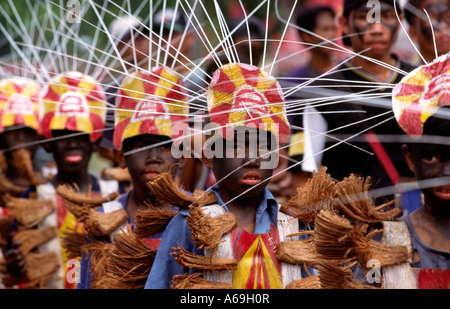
point(416, 98)
point(65, 223)
point(387, 166)
point(19, 108)
point(70, 101)
point(210, 250)
point(152, 102)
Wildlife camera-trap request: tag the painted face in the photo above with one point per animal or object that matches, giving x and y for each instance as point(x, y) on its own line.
point(145, 163)
point(73, 153)
point(244, 166)
point(439, 12)
point(379, 37)
point(11, 139)
point(431, 161)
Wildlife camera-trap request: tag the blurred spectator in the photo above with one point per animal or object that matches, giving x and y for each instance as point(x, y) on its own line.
point(362, 137)
point(420, 29)
point(316, 25)
point(319, 20)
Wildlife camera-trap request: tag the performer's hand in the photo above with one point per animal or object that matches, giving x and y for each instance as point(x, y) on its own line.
point(15, 260)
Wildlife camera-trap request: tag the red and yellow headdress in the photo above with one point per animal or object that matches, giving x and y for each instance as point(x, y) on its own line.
point(420, 93)
point(243, 95)
point(73, 101)
point(150, 103)
point(19, 103)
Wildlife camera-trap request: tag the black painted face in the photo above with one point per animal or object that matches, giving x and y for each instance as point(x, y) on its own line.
point(12, 138)
point(432, 160)
point(377, 36)
point(145, 163)
point(71, 154)
point(245, 166)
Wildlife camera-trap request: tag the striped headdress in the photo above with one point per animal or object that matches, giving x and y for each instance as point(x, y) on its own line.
point(150, 103)
point(73, 101)
point(19, 103)
point(243, 95)
point(420, 94)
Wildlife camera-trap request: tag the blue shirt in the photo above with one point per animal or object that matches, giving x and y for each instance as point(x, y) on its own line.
point(85, 268)
point(85, 276)
point(178, 233)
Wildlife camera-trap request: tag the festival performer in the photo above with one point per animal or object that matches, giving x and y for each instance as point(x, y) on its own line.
point(19, 136)
point(149, 108)
point(232, 240)
point(73, 111)
point(421, 106)
point(19, 121)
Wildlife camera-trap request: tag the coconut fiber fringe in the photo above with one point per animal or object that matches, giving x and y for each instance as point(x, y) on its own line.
point(24, 165)
point(32, 238)
point(343, 216)
point(40, 268)
point(207, 231)
point(128, 263)
point(195, 281)
point(152, 220)
point(190, 260)
point(84, 208)
point(29, 212)
point(164, 188)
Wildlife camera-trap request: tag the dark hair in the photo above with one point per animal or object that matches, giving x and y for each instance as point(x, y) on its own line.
point(410, 10)
point(254, 24)
point(307, 17)
point(349, 5)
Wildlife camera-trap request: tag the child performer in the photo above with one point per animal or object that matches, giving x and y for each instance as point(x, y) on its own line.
point(421, 105)
point(247, 112)
point(149, 107)
point(73, 113)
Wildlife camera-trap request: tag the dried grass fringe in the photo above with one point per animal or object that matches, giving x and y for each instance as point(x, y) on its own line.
point(152, 220)
point(41, 265)
point(195, 281)
point(129, 261)
point(99, 252)
point(5, 225)
point(101, 224)
point(29, 212)
point(24, 165)
point(300, 252)
point(311, 198)
point(116, 173)
point(341, 213)
point(32, 238)
point(165, 189)
point(330, 235)
point(84, 208)
point(366, 249)
point(309, 283)
point(81, 199)
point(207, 231)
point(190, 260)
point(8, 188)
point(72, 242)
point(352, 199)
